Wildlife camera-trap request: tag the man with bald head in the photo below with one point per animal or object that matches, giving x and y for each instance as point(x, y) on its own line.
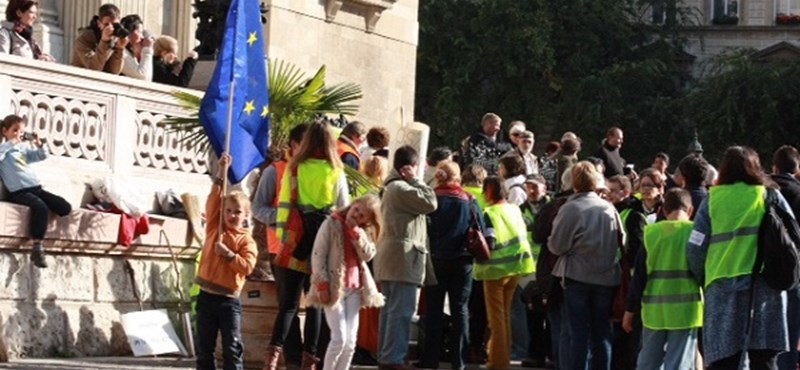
point(609, 153)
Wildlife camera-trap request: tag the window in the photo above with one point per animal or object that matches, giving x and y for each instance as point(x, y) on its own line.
point(787, 12)
point(726, 12)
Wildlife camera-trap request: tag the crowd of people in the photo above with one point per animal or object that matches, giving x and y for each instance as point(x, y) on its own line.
point(110, 43)
point(613, 269)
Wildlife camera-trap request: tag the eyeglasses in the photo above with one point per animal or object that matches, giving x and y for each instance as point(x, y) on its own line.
point(515, 134)
point(649, 185)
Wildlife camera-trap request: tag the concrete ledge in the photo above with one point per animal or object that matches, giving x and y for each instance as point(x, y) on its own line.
point(89, 232)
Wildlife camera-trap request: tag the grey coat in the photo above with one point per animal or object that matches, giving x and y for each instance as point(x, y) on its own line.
point(12, 43)
point(402, 249)
point(586, 235)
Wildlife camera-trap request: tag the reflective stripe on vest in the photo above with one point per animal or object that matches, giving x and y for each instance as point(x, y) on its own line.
point(512, 253)
point(273, 242)
point(736, 211)
point(671, 299)
point(343, 147)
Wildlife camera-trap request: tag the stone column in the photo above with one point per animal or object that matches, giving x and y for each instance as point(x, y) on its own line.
point(48, 31)
point(75, 14)
point(183, 26)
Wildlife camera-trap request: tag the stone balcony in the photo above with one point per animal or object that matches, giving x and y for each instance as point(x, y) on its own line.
point(94, 125)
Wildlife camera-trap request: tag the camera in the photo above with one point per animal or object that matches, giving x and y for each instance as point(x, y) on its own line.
point(28, 136)
point(120, 31)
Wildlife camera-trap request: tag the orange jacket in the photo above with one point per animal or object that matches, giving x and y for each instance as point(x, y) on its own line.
point(216, 274)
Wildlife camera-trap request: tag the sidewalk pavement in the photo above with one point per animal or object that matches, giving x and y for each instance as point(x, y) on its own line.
point(133, 363)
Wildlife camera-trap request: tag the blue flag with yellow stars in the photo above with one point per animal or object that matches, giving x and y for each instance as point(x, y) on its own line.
point(241, 59)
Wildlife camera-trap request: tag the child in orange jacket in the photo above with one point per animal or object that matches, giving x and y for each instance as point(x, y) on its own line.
point(223, 268)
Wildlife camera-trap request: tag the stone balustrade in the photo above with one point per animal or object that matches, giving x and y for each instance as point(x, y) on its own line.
point(94, 125)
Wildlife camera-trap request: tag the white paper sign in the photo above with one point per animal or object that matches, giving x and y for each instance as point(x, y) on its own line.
point(151, 333)
point(416, 135)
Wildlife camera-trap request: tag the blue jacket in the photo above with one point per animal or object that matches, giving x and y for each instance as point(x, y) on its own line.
point(450, 222)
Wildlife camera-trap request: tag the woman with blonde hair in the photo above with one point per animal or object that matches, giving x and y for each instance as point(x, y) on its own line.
point(452, 264)
point(314, 183)
point(167, 68)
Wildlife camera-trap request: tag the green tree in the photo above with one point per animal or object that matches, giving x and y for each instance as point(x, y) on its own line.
point(558, 65)
point(747, 102)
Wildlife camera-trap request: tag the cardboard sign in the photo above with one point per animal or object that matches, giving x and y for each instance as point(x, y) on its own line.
point(151, 333)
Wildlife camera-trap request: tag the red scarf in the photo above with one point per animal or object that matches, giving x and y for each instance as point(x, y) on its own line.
point(352, 272)
point(451, 190)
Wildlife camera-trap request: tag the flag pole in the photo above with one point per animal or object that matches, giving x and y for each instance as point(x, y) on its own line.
point(226, 150)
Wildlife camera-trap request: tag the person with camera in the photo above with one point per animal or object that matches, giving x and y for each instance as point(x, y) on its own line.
point(18, 150)
point(16, 33)
point(101, 44)
point(137, 59)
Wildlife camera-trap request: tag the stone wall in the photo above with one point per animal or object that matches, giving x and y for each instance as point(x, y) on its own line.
point(73, 307)
point(378, 54)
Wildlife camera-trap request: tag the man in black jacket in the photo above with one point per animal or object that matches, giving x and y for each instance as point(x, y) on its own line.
point(785, 163)
point(609, 153)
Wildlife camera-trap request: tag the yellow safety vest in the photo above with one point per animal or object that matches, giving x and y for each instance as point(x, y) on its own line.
point(672, 298)
point(512, 251)
point(316, 190)
point(736, 211)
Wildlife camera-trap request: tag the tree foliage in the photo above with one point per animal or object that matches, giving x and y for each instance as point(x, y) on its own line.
point(577, 65)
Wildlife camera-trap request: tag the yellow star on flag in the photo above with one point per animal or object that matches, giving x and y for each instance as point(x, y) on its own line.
point(249, 107)
point(252, 39)
point(265, 111)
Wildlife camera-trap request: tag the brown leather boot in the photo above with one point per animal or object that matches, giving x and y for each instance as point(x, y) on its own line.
point(309, 362)
point(271, 357)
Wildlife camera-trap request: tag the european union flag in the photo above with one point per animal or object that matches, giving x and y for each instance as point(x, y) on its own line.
point(241, 59)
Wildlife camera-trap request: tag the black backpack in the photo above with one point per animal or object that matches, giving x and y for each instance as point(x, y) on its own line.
point(778, 239)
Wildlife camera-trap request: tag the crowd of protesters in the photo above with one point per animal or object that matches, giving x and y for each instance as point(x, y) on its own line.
point(613, 270)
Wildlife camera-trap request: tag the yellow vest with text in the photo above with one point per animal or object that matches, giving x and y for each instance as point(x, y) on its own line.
point(672, 298)
point(512, 251)
point(316, 190)
point(736, 211)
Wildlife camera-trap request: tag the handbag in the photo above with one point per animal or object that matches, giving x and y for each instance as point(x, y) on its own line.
point(476, 242)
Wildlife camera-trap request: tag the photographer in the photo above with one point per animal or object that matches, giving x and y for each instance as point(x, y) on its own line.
point(167, 68)
point(100, 45)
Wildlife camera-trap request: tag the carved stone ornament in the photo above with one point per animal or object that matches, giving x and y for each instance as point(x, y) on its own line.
point(372, 10)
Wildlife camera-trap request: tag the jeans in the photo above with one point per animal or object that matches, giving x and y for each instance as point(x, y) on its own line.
point(679, 354)
point(499, 296)
point(587, 308)
point(455, 280)
point(292, 284)
point(520, 336)
point(760, 359)
point(40, 203)
point(218, 314)
point(343, 321)
point(788, 360)
point(395, 321)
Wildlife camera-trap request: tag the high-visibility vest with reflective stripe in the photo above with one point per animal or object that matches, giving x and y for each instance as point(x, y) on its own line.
point(343, 147)
point(316, 190)
point(273, 242)
point(478, 194)
point(671, 298)
point(512, 251)
point(736, 211)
